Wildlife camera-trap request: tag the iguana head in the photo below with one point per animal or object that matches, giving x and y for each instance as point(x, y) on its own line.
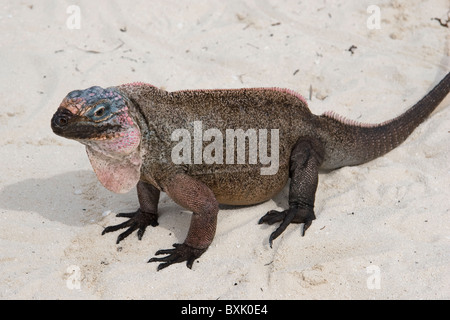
point(100, 119)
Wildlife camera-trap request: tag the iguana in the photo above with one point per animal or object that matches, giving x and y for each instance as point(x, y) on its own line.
point(128, 132)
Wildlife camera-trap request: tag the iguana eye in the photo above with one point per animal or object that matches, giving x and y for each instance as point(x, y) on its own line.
point(99, 112)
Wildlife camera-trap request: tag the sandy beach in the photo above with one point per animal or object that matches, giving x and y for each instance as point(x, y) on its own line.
point(382, 229)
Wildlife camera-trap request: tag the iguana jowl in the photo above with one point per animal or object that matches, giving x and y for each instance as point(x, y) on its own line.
point(127, 132)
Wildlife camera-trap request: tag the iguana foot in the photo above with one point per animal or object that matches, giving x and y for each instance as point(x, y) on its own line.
point(182, 252)
point(139, 220)
point(294, 214)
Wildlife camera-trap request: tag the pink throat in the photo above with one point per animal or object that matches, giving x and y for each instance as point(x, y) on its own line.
point(122, 143)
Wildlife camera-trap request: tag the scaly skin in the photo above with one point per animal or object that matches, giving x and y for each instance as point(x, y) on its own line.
point(127, 132)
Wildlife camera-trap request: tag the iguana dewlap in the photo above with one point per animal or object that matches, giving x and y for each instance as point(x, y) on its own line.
point(129, 130)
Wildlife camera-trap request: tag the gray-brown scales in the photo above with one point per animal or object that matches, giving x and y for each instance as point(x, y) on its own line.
point(129, 132)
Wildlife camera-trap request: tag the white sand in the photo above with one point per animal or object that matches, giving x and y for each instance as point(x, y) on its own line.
point(391, 213)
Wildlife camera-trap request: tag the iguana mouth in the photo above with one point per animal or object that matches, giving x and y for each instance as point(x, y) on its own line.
point(107, 136)
point(66, 124)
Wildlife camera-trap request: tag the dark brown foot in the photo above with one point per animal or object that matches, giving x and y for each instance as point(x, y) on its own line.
point(292, 215)
point(182, 252)
point(139, 220)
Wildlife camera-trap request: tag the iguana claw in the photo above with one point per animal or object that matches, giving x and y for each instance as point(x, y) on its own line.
point(291, 215)
point(181, 252)
point(139, 220)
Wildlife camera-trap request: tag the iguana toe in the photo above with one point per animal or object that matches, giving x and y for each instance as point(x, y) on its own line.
point(292, 215)
point(181, 252)
point(139, 220)
point(273, 216)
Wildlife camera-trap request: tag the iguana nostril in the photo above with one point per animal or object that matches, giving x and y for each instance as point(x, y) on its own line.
point(60, 119)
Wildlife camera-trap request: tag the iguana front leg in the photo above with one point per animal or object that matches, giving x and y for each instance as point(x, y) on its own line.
point(197, 197)
point(146, 215)
point(305, 159)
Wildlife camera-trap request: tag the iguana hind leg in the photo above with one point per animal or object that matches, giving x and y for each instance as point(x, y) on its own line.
point(305, 160)
point(145, 216)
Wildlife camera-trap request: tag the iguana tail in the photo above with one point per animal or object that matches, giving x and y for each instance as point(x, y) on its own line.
point(351, 143)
